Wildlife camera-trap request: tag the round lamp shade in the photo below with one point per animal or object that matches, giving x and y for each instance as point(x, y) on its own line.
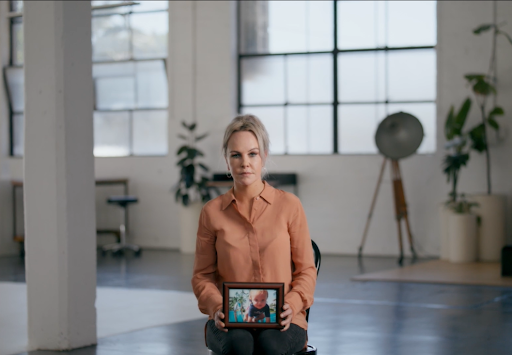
point(399, 135)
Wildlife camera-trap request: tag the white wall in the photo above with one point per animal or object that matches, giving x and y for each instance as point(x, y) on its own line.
point(336, 191)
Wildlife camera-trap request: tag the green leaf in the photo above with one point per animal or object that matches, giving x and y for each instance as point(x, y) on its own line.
point(497, 111)
point(477, 136)
point(204, 167)
point(471, 77)
point(448, 126)
point(198, 138)
point(182, 161)
point(177, 196)
point(482, 87)
point(182, 136)
point(185, 199)
point(507, 36)
point(483, 28)
point(460, 119)
point(193, 126)
point(182, 149)
point(492, 122)
point(184, 124)
point(188, 173)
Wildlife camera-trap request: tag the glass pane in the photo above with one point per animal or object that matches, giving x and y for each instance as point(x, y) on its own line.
point(412, 75)
point(115, 93)
point(110, 38)
point(357, 125)
point(17, 43)
point(18, 143)
point(17, 6)
point(361, 77)
point(412, 23)
point(114, 86)
point(150, 34)
point(16, 83)
point(426, 113)
point(273, 119)
point(309, 129)
point(263, 80)
point(111, 134)
point(361, 24)
point(309, 78)
point(151, 84)
point(112, 10)
point(253, 24)
point(300, 26)
point(150, 6)
point(150, 132)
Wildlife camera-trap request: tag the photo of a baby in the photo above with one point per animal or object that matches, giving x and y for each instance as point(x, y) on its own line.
point(252, 306)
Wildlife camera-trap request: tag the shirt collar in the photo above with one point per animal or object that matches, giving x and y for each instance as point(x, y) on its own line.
point(267, 194)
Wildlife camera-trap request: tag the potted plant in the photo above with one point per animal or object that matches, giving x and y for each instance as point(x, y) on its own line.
point(454, 160)
point(192, 189)
point(491, 207)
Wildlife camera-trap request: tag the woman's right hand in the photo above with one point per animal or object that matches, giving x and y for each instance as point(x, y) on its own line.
point(219, 316)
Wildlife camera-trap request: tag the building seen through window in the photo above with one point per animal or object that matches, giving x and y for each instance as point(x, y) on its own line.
point(129, 45)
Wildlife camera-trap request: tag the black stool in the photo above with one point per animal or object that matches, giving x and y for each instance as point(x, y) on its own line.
point(117, 248)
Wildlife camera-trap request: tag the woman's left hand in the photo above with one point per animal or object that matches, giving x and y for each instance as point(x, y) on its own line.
point(286, 316)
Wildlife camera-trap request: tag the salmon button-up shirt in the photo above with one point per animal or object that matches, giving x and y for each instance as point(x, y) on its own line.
point(272, 246)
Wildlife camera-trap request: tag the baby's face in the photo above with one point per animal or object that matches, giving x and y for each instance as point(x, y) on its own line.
point(259, 301)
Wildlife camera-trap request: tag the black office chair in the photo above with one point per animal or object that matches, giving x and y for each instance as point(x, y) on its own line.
point(310, 349)
point(118, 248)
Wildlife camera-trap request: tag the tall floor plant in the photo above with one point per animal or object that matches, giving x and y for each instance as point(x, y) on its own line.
point(483, 86)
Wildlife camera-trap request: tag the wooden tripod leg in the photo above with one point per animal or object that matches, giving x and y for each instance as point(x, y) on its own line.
point(399, 204)
point(372, 207)
point(401, 258)
point(409, 236)
point(404, 211)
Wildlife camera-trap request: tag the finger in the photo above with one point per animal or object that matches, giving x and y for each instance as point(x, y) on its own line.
point(286, 327)
point(221, 315)
point(286, 313)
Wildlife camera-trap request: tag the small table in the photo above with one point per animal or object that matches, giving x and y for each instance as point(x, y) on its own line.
point(18, 184)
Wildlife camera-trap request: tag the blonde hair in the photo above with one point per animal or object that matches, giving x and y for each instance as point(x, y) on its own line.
point(253, 293)
point(249, 123)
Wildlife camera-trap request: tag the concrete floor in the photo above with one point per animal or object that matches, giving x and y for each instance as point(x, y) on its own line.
point(347, 317)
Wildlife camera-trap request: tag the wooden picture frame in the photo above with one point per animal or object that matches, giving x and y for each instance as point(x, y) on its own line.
point(253, 304)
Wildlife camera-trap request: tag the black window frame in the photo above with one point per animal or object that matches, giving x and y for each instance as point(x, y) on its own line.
point(335, 103)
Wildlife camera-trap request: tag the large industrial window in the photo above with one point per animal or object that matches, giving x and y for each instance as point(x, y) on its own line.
point(129, 43)
point(322, 74)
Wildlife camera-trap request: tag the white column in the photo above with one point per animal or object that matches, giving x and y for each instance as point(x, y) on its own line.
point(59, 175)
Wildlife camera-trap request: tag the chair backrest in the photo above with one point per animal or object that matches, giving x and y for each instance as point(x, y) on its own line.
point(318, 257)
point(318, 261)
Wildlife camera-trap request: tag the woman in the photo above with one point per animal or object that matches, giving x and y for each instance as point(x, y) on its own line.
point(253, 233)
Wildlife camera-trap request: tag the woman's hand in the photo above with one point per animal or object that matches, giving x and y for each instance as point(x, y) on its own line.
point(219, 316)
point(286, 316)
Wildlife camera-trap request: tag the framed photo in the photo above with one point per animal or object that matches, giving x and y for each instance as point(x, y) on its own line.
point(253, 304)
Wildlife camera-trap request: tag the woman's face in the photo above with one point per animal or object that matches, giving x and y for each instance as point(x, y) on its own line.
point(243, 158)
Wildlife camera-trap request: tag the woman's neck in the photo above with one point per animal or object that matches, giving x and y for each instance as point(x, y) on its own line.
point(245, 193)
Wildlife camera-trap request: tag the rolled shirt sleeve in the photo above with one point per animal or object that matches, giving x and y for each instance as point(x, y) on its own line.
point(204, 285)
point(303, 282)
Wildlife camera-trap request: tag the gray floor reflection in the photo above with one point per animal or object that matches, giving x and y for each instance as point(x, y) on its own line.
point(356, 318)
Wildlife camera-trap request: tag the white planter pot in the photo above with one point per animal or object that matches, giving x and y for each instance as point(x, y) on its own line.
point(444, 219)
point(189, 223)
point(491, 236)
point(463, 237)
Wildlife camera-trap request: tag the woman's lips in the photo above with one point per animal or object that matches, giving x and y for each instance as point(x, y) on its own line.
point(245, 174)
